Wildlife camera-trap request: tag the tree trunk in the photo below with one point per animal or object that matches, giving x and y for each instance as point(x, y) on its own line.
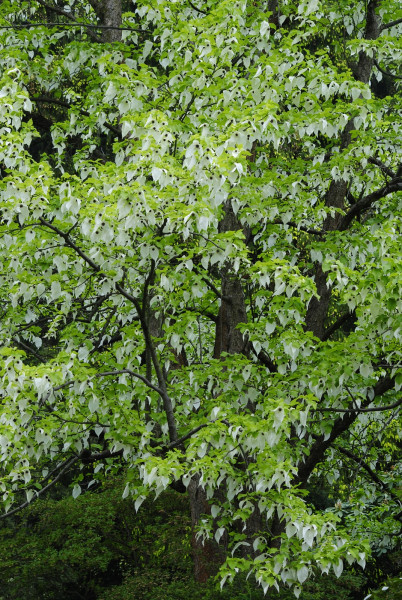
point(233, 308)
point(207, 556)
point(109, 15)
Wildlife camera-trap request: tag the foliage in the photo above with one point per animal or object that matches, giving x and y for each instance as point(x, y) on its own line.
point(147, 588)
point(200, 267)
point(391, 590)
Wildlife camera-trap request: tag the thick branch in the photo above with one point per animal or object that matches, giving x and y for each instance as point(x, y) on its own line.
point(391, 24)
point(383, 167)
point(341, 425)
point(361, 205)
point(89, 457)
point(265, 359)
point(338, 323)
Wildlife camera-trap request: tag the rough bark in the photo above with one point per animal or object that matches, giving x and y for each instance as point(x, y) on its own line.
point(207, 556)
point(109, 14)
point(232, 311)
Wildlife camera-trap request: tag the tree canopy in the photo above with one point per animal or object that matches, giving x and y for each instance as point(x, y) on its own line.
point(200, 244)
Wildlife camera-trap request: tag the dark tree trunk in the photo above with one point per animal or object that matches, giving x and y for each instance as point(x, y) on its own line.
point(109, 15)
point(233, 308)
point(207, 556)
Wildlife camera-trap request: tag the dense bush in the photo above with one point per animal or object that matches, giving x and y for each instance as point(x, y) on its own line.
point(72, 549)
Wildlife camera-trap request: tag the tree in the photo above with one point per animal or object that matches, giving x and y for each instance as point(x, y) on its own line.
point(200, 235)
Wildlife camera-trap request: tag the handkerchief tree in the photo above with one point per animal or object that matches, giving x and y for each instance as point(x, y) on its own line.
point(200, 243)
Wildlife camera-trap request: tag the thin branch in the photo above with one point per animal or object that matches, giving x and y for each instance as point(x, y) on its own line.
point(185, 437)
point(67, 14)
point(67, 464)
point(162, 390)
point(299, 228)
point(369, 470)
point(67, 25)
point(214, 289)
point(386, 72)
point(203, 12)
point(28, 349)
point(167, 402)
point(360, 410)
point(133, 374)
point(341, 424)
point(71, 244)
point(391, 24)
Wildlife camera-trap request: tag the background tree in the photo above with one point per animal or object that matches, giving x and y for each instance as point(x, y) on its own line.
point(200, 234)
